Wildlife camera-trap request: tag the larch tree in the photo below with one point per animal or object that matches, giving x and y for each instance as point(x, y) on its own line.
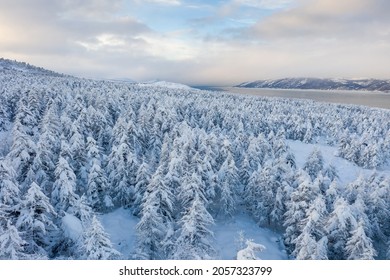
point(63, 196)
point(97, 245)
point(97, 187)
point(156, 218)
point(300, 201)
point(143, 177)
point(339, 226)
point(12, 244)
point(194, 241)
point(314, 163)
point(313, 231)
point(359, 246)
point(9, 193)
point(36, 221)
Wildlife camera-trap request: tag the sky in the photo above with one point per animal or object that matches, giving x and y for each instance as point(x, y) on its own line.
point(198, 42)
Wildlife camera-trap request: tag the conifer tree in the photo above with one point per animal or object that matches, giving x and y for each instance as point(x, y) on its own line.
point(63, 196)
point(12, 244)
point(314, 164)
point(194, 241)
point(97, 188)
point(36, 221)
point(359, 246)
point(97, 245)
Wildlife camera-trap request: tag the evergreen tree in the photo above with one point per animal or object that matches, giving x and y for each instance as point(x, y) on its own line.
point(227, 186)
point(11, 244)
point(97, 188)
point(122, 167)
point(359, 246)
point(143, 177)
point(22, 152)
point(9, 193)
point(63, 196)
point(97, 245)
point(314, 164)
point(194, 241)
point(36, 221)
point(156, 218)
point(313, 231)
point(339, 226)
point(47, 152)
point(300, 201)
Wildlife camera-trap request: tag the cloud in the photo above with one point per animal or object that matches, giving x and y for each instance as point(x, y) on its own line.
point(324, 19)
point(228, 43)
point(160, 2)
point(264, 4)
point(62, 25)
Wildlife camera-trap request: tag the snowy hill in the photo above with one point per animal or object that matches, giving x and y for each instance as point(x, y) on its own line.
point(164, 84)
point(110, 170)
point(13, 65)
point(321, 84)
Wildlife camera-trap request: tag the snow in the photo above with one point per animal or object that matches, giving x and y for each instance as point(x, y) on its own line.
point(347, 171)
point(72, 227)
point(249, 253)
point(164, 84)
point(5, 140)
point(227, 232)
point(120, 226)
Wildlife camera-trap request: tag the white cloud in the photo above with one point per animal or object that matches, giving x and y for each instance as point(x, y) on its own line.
point(317, 38)
point(162, 2)
point(265, 4)
point(169, 48)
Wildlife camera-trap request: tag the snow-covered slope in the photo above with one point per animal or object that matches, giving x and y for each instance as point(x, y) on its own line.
point(13, 65)
point(121, 227)
point(164, 84)
point(348, 171)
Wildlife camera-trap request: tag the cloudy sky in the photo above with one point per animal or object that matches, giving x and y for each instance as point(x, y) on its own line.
point(200, 42)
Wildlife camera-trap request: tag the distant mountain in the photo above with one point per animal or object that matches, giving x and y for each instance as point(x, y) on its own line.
point(165, 84)
point(13, 65)
point(321, 84)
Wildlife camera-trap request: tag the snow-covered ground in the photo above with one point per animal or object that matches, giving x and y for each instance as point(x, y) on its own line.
point(226, 234)
point(120, 225)
point(347, 171)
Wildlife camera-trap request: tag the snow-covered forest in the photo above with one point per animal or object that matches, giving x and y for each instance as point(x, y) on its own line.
point(179, 160)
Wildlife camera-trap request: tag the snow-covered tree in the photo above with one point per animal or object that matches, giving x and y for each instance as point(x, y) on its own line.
point(97, 244)
point(9, 193)
point(359, 246)
point(97, 188)
point(22, 152)
point(143, 177)
point(227, 187)
point(12, 244)
point(310, 242)
point(339, 226)
point(300, 200)
point(314, 163)
point(194, 241)
point(63, 196)
point(156, 218)
point(249, 253)
point(122, 171)
point(36, 221)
